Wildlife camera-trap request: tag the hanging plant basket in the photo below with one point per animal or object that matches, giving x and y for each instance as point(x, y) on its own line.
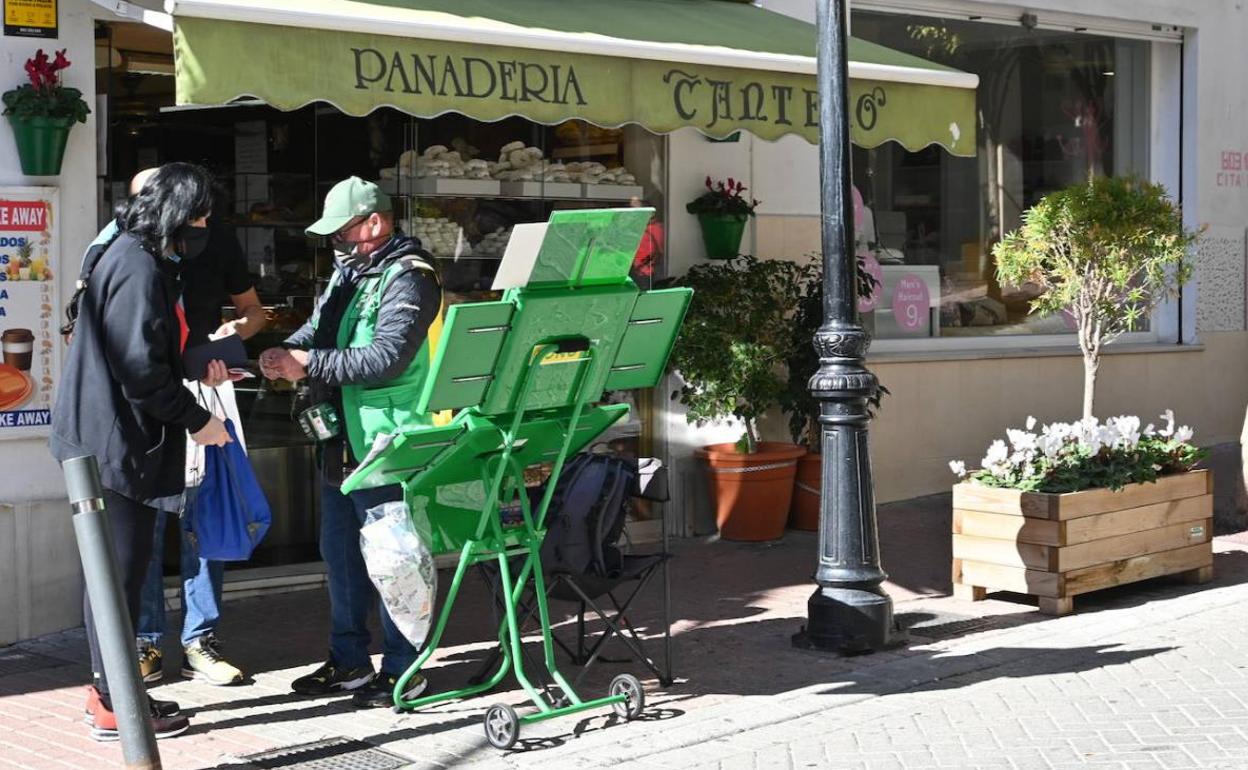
point(41, 143)
point(722, 233)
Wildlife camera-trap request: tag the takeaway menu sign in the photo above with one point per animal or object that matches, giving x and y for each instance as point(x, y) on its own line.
point(30, 342)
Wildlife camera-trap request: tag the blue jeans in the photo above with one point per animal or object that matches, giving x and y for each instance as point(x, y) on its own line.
point(351, 592)
point(201, 591)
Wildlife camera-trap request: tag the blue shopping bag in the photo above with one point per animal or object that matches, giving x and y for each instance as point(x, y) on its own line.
point(227, 516)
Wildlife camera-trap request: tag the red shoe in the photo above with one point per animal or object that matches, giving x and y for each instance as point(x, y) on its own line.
point(165, 708)
point(104, 722)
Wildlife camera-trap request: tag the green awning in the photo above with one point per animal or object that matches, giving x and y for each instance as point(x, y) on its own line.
point(664, 64)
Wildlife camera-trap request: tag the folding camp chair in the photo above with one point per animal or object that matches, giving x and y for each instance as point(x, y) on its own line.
point(523, 372)
point(601, 595)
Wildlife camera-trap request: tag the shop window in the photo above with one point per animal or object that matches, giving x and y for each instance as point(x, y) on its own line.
point(1054, 108)
point(447, 177)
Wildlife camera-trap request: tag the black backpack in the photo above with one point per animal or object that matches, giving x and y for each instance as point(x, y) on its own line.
point(587, 515)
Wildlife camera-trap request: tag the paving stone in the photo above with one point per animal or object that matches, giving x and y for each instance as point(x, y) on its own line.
point(1148, 679)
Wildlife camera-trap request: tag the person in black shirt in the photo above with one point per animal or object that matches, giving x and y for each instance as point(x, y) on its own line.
point(219, 275)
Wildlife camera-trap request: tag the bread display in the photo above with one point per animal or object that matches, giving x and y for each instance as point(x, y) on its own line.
point(516, 163)
point(440, 236)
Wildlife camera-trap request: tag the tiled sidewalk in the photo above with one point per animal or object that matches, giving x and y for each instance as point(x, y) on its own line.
point(743, 693)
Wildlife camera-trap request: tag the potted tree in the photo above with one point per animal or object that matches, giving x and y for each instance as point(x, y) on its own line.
point(731, 352)
point(722, 212)
point(1106, 252)
point(41, 112)
point(1087, 505)
point(798, 403)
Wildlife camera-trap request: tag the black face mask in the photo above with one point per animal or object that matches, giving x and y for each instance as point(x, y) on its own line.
point(191, 241)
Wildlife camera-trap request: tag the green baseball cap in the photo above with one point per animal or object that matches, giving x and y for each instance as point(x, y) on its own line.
point(347, 200)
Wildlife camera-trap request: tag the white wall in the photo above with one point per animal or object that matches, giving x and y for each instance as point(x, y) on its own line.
point(40, 578)
point(30, 473)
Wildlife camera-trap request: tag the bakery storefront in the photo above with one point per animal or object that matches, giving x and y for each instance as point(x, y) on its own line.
point(475, 115)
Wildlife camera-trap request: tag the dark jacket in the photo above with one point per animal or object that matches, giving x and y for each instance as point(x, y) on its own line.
point(121, 396)
point(408, 308)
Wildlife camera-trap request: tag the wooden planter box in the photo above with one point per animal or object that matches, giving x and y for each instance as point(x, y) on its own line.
point(1058, 546)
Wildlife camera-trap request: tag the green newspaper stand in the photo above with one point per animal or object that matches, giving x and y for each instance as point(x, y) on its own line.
point(525, 374)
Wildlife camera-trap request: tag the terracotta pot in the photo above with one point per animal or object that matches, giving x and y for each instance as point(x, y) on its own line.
point(806, 491)
point(751, 492)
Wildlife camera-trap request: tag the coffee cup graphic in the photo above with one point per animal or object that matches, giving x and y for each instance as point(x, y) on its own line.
point(18, 346)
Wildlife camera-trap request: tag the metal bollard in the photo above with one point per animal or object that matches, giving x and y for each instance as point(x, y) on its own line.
point(112, 620)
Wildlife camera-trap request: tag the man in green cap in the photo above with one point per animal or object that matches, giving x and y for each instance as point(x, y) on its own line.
point(365, 353)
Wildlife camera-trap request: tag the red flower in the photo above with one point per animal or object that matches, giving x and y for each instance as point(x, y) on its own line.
point(32, 72)
point(708, 182)
point(42, 72)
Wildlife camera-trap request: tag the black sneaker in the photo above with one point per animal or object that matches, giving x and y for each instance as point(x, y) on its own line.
point(165, 709)
point(379, 693)
point(104, 722)
point(330, 679)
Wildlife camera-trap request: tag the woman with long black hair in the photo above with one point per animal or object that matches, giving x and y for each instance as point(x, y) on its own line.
point(121, 396)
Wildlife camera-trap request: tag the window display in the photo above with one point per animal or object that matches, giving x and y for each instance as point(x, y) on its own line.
point(1055, 108)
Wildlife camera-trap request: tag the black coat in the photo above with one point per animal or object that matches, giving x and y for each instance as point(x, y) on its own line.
point(409, 306)
point(121, 396)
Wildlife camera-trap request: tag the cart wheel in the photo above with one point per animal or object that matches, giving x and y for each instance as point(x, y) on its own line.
point(634, 697)
point(502, 726)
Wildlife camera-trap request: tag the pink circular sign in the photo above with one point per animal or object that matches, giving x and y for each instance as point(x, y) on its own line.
point(911, 301)
point(872, 266)
point(860, 209)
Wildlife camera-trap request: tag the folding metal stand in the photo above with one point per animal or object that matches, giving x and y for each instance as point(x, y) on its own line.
point(523, 372)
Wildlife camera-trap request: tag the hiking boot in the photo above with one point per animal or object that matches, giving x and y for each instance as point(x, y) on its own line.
point(379, 693)
point(163, 708)
point(202, 661)
point(149, 662)
point(330, 679)
point(104, 721)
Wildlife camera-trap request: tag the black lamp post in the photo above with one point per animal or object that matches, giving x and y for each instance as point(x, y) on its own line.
point(849, 612)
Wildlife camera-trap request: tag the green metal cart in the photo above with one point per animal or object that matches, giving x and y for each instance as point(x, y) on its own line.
point(525, 374)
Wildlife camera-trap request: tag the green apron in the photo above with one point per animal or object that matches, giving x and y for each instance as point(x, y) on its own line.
point(370, 411)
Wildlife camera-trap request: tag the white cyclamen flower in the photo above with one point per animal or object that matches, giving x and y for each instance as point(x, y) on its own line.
point(1128, 432)
point(1021, 440)
point(958, 467)
point(1183, 435)
point(1031, 423)
point(1167, 431)
point(997, 453)
point(997, 461)
point(1051, 446)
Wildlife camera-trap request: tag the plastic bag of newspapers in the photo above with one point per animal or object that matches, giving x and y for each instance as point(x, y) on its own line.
point(400, 563)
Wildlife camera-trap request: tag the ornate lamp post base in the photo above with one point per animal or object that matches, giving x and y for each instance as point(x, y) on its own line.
point(850, 621)
point(849, 612)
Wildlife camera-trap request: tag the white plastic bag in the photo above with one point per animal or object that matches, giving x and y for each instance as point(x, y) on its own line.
point(397, 552)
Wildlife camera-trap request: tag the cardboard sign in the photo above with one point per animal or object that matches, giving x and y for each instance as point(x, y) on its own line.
point(910, 303)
